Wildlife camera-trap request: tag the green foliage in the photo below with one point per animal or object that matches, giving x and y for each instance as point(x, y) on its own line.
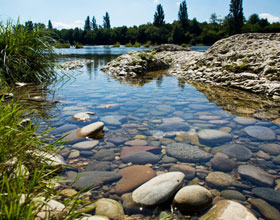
point(147, 56)
point(106, 21)
point(136, 44)
point(117, 44)
point(60, 45)
point(93, 23)
point(148, 44)
point(159, 16)
point(78, 46)
point(183, 14)
point(50, 27)
point(87, 24)
point(236, 16)
point(25, 54)
point(129, 44)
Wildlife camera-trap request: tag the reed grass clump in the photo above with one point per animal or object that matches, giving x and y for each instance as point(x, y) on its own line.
point(25, 54)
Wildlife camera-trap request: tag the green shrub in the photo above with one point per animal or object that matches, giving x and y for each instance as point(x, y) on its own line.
point(25, 55)
point(78, 46)
point(117, 44)
point(136, 44)
point(60, 45)
point(147, 44)
point(129, 44)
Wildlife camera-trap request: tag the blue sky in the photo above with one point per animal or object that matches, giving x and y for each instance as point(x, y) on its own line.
point(72, 13)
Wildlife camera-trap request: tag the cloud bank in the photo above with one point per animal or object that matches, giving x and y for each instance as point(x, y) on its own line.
point(61, 25)
point(270, 17)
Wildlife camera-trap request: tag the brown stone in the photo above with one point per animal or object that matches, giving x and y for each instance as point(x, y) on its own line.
point(132, 177)
point(132, 150)
point(184, 168)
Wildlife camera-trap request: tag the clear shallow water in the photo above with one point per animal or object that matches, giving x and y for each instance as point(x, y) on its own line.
point(141, 106)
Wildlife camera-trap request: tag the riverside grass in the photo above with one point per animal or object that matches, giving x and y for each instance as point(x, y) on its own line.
point(24, 176)
point(25, 55)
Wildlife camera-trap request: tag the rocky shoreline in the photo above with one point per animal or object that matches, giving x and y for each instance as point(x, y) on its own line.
point(249, 62)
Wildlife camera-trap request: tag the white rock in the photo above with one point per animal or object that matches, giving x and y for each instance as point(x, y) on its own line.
point(228, 210)
point(82, 116)
point(192, 198)
point(159, 189)
point(91, 129)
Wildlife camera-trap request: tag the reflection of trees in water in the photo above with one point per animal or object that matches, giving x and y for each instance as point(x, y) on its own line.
point(240, 102)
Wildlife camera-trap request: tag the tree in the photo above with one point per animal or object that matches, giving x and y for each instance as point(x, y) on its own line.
point(29, 26)
point(213, 18)
point(93, 23)
point(50, 27)
point(159, 16)
point(183, 14)
point(236, 16)
point(87, 24)
point(106, 21)
point(254, 19)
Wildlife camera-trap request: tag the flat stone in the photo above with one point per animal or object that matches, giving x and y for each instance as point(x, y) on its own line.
point(192, 199)
point(132, 177)
point(268, 211)
point(85, 145)
point(209, 117)
point(112, 119)
point(136, 142)
point(219, 179)
point(213, 137)
point(256, 175)
point(270, 148)
point(222, 162)
point(260, 133)
point(174, 126)
point(229, 210)
point(108, 207)
point(233, 195)
point(74, 154)
point(172, 120)
point(95, 178)
point(267, 194)
point(159, 189)
point(141, 158)
point(187, 153)
point(245, 121)
point(105, 155)
point(132, 150)
point(68, 192)
point(237, 151)
point(117, 140)
point(63, 129)
point(99, 166)
point(83, 116)
point(185, 169)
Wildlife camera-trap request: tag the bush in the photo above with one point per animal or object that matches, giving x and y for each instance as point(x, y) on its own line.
point(117, 44)
point(25, 55)
point(129, 44)
point(60, 45)
point(148, 44)
point(136, 44)
point(78, 46)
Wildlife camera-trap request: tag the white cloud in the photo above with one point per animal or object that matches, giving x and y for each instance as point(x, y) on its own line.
point(61, 25)
point(178, 3)
point(156, 1)
point(269, 17)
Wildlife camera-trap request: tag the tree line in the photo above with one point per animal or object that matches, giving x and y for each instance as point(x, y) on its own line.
point(182, 31)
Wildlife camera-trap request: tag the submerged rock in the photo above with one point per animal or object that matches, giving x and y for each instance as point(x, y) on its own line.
point(260, 133)
point(133, 177)
point(159, 189)
point(192, 198)
point(229, 210)
point(187, 153)
point(213, 137)
point(108, 207)
point(256, 175)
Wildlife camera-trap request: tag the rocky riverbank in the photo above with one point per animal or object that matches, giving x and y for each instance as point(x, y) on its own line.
point(249, 62)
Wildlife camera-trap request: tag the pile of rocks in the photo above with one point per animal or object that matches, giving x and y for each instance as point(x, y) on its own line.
point(246, 61)
point(74, 64)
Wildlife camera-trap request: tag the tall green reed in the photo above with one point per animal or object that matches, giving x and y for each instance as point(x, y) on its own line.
point(25, 55)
